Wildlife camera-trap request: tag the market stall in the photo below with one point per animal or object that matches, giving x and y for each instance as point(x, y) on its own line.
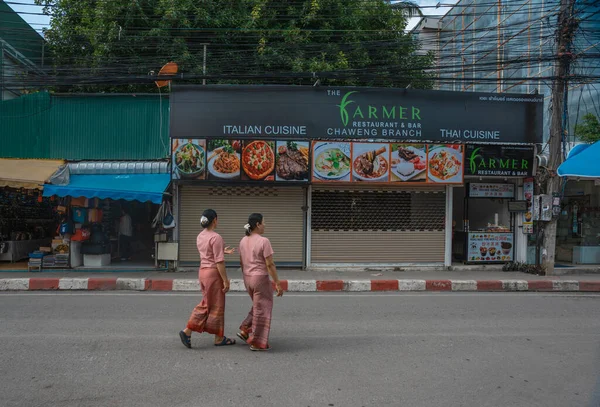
point(27, 220)
point(109, 219)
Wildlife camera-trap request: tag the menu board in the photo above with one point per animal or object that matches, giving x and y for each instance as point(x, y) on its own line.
point(236, 160)
point(387, 162)
point(264, 160)
point(481, 190)
point(486, 247)
point(528, 215)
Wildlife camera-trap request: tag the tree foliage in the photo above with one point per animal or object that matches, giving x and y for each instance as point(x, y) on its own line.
point(589, 130)
point(345, 42)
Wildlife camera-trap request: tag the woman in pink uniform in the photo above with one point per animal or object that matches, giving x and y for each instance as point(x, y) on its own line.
point(209, 315)
point(256, 257)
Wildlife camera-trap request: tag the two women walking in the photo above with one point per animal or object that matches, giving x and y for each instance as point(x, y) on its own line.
point(256, 259)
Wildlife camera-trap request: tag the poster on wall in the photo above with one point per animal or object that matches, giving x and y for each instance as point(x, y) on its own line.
point(409, 162)
point(292, 161)
point(224, 160)
point(188, 159)
point(258, 160)
point(528, 215)
point(445, 163)
point(370, 162)
point(490, 247)
point(331, 161)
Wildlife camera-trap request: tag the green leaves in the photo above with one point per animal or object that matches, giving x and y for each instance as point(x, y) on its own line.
point(588, 131)
point(347, 42)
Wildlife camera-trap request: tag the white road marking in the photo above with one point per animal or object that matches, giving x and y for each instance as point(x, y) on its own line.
point(309, 294)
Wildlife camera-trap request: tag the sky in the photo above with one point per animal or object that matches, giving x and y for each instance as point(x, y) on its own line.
point(38, 22)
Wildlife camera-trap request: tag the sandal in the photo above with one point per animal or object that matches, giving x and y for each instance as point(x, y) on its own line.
point(185, 339)
point(225, 342)
point(243, 336)
point(254, 348)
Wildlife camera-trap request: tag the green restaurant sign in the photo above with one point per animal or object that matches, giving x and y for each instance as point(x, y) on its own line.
point(499, 160)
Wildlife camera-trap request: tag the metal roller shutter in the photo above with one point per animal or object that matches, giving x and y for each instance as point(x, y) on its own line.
point(367, 226)
point(281, 207)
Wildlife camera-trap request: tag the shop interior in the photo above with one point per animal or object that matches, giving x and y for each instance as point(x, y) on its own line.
point(38, 233)
point(28, 221)
point(578, 227)
point(487, 216)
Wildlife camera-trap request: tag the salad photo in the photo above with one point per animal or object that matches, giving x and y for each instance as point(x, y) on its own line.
point(189, 156)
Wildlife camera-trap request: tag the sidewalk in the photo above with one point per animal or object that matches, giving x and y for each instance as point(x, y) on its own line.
point(305, 281)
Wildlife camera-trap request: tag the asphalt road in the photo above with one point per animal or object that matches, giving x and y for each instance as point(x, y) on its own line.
point(418, 349)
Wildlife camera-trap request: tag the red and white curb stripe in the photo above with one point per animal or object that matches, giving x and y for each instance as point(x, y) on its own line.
point(143, 284)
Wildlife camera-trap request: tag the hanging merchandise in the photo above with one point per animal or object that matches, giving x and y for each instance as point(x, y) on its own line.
point(79, 201)
point(80, 215)
point(169, 219)
point(81, 235)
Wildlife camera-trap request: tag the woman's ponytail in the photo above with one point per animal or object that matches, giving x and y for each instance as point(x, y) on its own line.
point(254, 220)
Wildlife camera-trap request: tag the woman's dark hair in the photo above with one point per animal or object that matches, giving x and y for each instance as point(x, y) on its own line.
point(208, 217)
point(253, 220)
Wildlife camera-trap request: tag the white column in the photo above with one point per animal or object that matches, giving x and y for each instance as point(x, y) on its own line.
point(448, 227)
point(520, 237)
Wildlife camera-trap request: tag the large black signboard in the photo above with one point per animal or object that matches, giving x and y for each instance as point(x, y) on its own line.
point(498, 160)
point(296, 113)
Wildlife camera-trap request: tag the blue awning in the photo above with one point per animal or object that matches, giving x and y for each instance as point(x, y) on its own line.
point(582, 162)
point(134, 187)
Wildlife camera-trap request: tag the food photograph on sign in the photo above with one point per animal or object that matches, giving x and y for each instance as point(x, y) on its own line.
point(189, 159)
point(292, 161)
point(258, 160)
point(445, 163)
point(331, 161)
point(409, 162)
point(370, 162)
point(490, 247)
point(224, 159)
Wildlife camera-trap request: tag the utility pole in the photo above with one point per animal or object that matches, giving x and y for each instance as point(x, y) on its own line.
point(565, 32)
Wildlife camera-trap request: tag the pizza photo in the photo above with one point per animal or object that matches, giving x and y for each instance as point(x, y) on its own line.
point(258, 160)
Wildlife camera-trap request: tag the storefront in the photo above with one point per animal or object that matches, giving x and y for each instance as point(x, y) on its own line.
point(578, 228)
point(343, 176)
point(491, 217)
point(28, 221)
point(94, 204)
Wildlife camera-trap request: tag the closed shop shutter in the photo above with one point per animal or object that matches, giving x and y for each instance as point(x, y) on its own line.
point(380, 225)
point(281, 207)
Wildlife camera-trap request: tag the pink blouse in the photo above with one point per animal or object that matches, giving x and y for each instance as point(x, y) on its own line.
point(254, 250)
point(211, 248)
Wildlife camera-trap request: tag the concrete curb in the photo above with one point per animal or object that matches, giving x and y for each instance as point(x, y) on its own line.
point(237, 285)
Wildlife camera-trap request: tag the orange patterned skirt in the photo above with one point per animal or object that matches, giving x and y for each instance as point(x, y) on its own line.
point(209, 315)
point(258, 322)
